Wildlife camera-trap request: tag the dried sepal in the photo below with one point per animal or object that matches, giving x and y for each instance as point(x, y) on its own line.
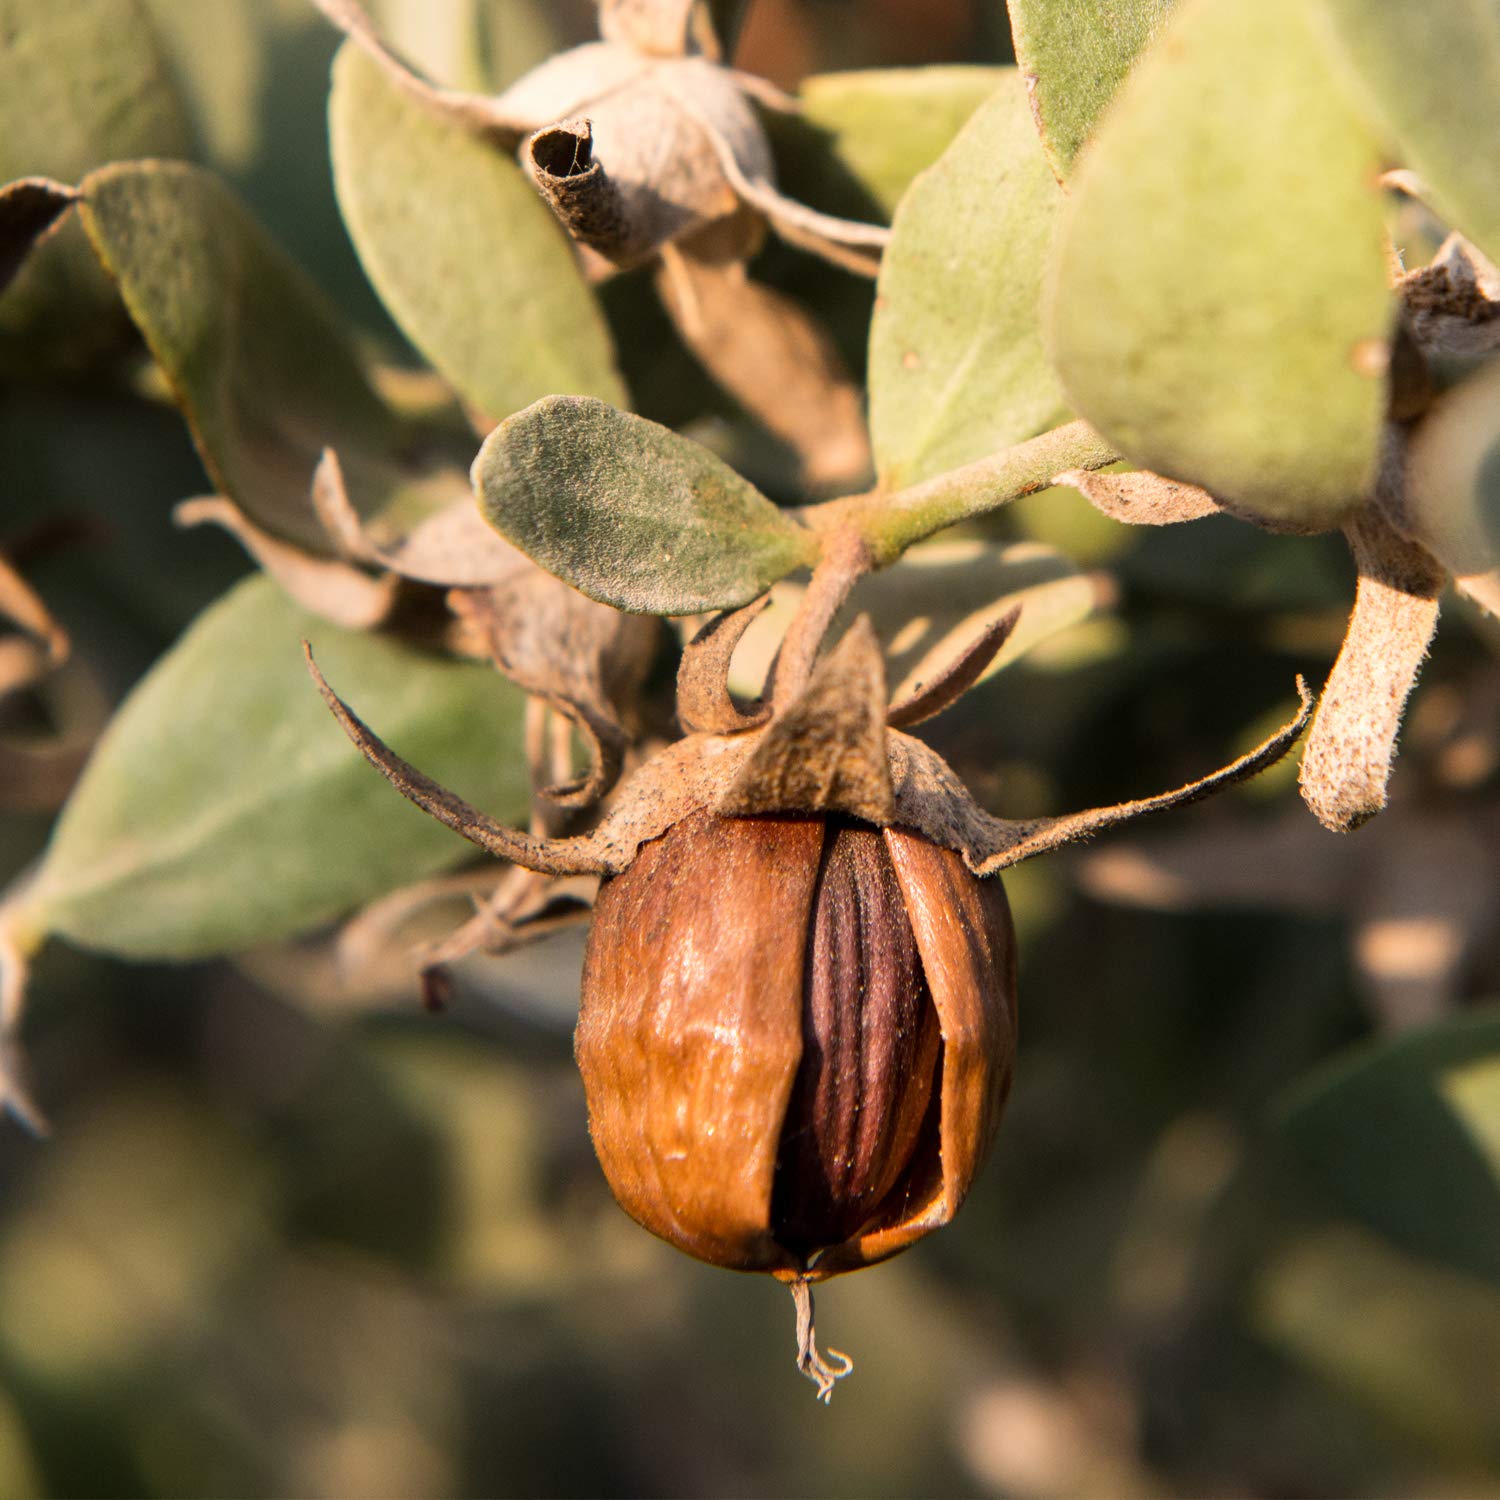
point(1347, 764)
point(30, 209)
point(773, 357)
point(928, 699)
point(704, 704)
point(677, 781)
point(337, 591)
point(931, 798)
point(474, 111)
point(1452, 304)
point(1142, 498)
point(826, 751)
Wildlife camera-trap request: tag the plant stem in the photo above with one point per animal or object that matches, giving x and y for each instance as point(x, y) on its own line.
point(892, 523)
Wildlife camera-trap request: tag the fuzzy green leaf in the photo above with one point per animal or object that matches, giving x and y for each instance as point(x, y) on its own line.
point(1430, 78)
point(1074, 57)
point(81, 84)
point(861, 137)
point(957, 365)
point(468, 258)
point(631, 514)
point(1405, 1137)
point(259, 362)
point(1218, 303)
point(224, 807)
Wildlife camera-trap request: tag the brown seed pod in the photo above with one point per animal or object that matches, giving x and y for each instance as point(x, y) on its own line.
point(796, 1038)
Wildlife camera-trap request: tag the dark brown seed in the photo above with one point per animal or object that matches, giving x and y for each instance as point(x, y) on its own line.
point(870, 1047)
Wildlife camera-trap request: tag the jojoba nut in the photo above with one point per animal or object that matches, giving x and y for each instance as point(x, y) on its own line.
point(796, 1038)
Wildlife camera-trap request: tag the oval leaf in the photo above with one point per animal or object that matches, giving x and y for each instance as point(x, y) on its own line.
point(224, 806)
point(1430, 77)
point(468, 258)
point(80, 84)
point(861, 137)
point(957, 364)
point(1218, 306)
point(1073, 58)
point(259, 362)
point(631, 514)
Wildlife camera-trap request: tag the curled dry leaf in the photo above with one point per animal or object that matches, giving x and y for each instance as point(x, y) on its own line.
point(336, 590)
point(1347, 763)
point(1142, 498)
point(774, 358)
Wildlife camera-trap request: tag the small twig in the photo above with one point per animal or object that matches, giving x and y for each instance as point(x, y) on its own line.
point(890, 523)
point(846, 559)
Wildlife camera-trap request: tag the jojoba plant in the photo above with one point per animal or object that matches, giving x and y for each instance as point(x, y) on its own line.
point(798, 1016)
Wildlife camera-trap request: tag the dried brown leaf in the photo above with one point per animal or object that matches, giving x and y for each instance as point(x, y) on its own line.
point(928, 699)
point(825, 752)
point(704, 704)
point(453, 548)
point(1347, 763)
point(337, 591)
point(1142, 498)
point(774, 358)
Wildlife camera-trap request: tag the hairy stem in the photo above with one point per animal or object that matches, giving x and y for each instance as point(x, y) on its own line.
point(890, 523)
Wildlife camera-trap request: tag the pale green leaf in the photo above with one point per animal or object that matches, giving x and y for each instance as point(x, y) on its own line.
point(225, 808)
point(631, 514)
point(957, 365)
point(1404, 1136)
point(861, 137)
point(1218, 303)
point(1074, 57)
point(1430, 78)
point(468, 258)
point(259, 362)
point(81, 84)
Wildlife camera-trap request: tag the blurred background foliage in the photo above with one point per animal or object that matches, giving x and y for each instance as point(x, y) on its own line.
point(1240, 1235)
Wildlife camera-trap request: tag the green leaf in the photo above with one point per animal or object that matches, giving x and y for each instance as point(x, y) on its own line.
point(1218, 303)
point(224, 807)
point(957, 365)
point(631, 514)
point(470, 261)
point(1429, 76)
point(1074, 57)
point(81, 83)
point(1405, 1138)
point(861, 137)
point(259, 362)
